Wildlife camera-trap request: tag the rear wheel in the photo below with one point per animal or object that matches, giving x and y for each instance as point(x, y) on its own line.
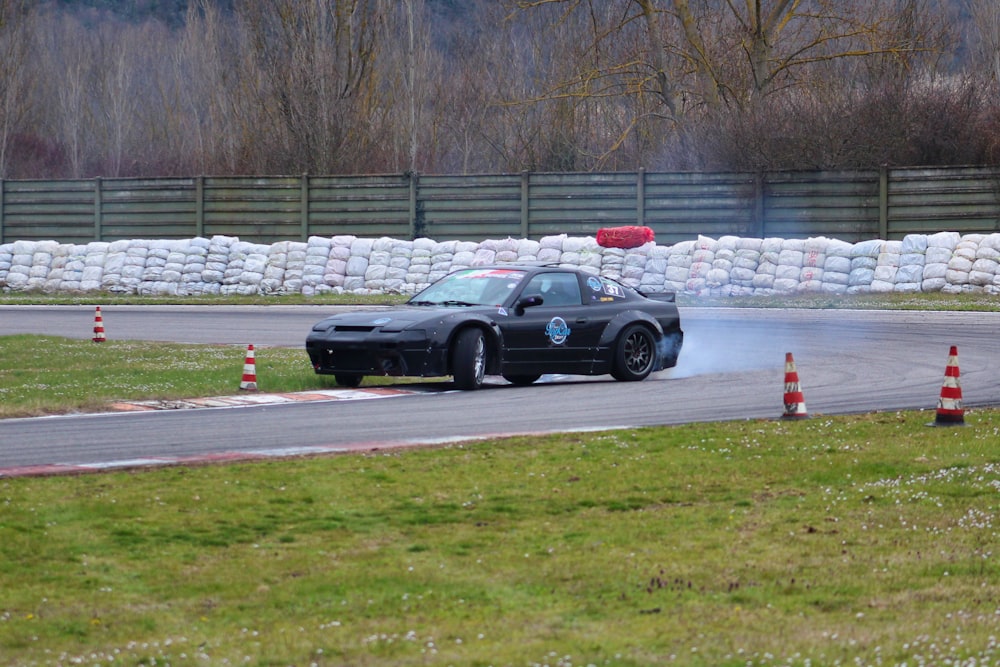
point(635, 354)
point(521, 380)
point(469, 359)
point(348, 379)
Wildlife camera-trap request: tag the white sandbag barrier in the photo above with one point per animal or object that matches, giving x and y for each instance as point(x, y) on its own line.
point(728, 266)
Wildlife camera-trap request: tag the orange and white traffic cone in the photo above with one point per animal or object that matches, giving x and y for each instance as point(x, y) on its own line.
point(795, 402)
point(249, 382)
point(949, 408)
point(98, 327)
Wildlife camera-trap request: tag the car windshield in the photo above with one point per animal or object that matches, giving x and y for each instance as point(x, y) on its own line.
point(471, 287)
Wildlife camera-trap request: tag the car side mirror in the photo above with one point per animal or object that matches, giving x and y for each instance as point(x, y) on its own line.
point(528, 302)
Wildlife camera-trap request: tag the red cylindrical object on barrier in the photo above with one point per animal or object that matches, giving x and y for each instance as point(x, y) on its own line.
point(624, 237)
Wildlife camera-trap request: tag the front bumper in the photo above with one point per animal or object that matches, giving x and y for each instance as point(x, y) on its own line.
point(396, 354)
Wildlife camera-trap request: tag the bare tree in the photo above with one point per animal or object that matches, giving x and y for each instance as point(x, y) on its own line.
point(15, 16)
point(315, 63)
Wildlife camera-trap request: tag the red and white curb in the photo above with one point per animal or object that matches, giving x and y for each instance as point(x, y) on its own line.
point(264, 454)
point(243, 400)
point(235, 401)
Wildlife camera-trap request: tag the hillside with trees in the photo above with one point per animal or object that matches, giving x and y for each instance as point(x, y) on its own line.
point(172, 87)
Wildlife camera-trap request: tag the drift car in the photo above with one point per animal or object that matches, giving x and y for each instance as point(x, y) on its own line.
point(513, 320)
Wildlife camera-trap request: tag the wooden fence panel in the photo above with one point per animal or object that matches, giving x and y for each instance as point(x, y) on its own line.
point(837, 204)
point(42, 210)
point(849, 205)
point(682, 206)
point(469, 208)
point(162, 208)
point(359, 205)
point(264, 210)
point(925, 201)
point(580, 204)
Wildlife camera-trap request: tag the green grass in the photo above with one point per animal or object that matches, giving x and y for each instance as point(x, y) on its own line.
point(42, 375)
point(847, 540)
point(48, 374)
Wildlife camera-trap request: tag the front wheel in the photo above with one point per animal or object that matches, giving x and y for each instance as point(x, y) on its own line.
point(635, 354)
point(469, 359)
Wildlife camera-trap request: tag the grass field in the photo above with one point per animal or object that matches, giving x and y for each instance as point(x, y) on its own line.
point(862, 540)
point(855, 540)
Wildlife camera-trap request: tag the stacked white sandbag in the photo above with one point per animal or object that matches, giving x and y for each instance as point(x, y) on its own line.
point(335, 272)
point(273, 275)
point(585, 253)
point(485, 253)
point(634, 265)
point(295, 268)
point(813, 263)
point(654, 279)
point(767, 268)
point(421, 260)
point(60, 256)
point(984, 269)
point(527, 250)
point(174, 268)
point(789, 270)
point(442, 259)
point(114, 264)
point(679, 260)
point(508, 250)
point(886, 266)
point(400, 256)
point(612, 263)
point(864, 260)
point(195, 260)
point(702, 256)
point(550, 248)
point(134, 266)
point(718, 276)
point(837, 267)
point(93, 266)
point(41, 265)
point(217, 262)
point(254, 266)
point(357, 265)
point(960, 265)
point(940, 248)
point(465, 255)
point(912, 257)
point(73, 270)
point(19, 273)
point(745, 262)
point(6, 259)
point(317, 254)
point(238, 251)
point(378, 264)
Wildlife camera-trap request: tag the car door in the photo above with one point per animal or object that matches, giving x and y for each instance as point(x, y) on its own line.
point(559, 336)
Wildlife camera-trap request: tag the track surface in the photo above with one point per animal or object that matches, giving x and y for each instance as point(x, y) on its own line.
point(731, 367)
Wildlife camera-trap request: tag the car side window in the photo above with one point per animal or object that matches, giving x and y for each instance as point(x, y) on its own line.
point(556, 289)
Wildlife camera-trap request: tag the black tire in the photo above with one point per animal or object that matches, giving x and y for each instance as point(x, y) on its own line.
point(350, 380)
point(522, 380)
point(635, 354)
point(468, 359)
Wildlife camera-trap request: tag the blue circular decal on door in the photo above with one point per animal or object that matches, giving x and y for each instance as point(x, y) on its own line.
point(557, 330)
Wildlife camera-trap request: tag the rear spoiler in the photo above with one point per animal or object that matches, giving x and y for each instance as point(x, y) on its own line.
point(668, 297)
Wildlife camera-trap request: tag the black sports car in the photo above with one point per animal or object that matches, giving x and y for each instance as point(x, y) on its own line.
point(515, 320)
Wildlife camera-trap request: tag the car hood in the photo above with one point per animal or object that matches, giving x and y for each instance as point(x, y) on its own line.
point(398, 319)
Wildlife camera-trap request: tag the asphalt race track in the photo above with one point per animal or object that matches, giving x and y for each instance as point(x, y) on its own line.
point(731, 368)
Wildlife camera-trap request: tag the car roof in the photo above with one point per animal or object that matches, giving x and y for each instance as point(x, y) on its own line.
point(531, 267)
